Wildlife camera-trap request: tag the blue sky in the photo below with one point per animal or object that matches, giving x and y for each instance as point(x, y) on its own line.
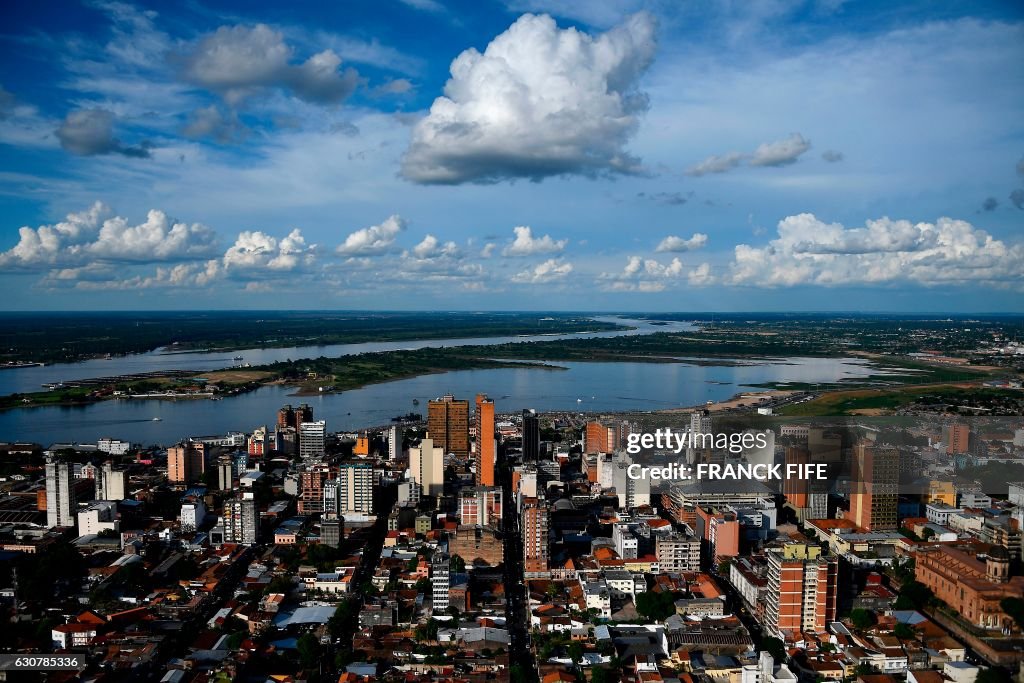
point(528, 154)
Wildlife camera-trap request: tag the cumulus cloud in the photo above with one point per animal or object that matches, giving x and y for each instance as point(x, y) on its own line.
point(548, 271)
point(431, 247)
point(375, 239)
point(95, 234)
point(182, 275)
point(716, 164)
point(780, 152)
point(525, 244)
point(678, 244)
point(809, 251)
point(256, 250)
point(88, 132)
point(539, 101)
point(832, 156)
point(213, 122)
point(237, 61)
point(650, 275)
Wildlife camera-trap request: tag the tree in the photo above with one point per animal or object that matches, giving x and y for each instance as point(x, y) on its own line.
point(575, 652)
point(904, 632)
point(913, 595)
point(458, 564)
point(863, 618)
point(993, 674)
point(656, 605)
point(1014, 608)
point(775, 647)
point(308, 647)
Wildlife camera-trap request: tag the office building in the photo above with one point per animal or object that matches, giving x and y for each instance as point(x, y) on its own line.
point(874, 488)
point(480, 506)
point(535, 536)
point(311, 488)
point(186, 462)
point(355, 488)
point(241, 520)
point(61, 501)
point(394, 443)
point(312, 439)
point(598, 438)
point(801, 592)
point(259, 443)
point(426, 466)
point(448, 424)
point(332, 499)
point(613, 474)
point(225, 473)
point(100, 516)
point(193, 514)
point(957, 438)
point(330, 533)
point(531, 436)
point(440, 582)
point(110, 483)
point(485, 444)
point(678, 551)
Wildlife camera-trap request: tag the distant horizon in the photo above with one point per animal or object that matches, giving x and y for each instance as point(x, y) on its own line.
point(624, 313)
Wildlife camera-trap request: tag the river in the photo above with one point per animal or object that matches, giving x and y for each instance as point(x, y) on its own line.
point(583, 386)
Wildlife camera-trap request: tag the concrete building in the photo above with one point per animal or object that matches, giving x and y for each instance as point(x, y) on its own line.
point(311, 488)
point(973, 585)
point(874, 487)
point(678, 552)
point(355, 488)
point(193, 514)
point(61, 501)
point(480, 506)
point(394, 443)
point(613, 473)
point(535, 536)
point(801, 592)
point(312, 439)
point(100, 516)
point(448, 424)
point(485, 451)
point(110, 483)
point(426, 465)
point(531, 436)
point(241, 520)
point(186, 462)
point(440, 582)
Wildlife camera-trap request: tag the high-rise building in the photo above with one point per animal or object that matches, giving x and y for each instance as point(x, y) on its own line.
point(241, 520)
point(480, 506)
point(448, 424)
point(426, 465)
point(801, 592)
point(259, 442)
point(485, 445)
point(330, 533)
point(332, 499)
point(394, 443)
point(678, 551)
point(225, 473)
point(355, 488)
point(531, 436)
point(440, 582)
point(60, 494)
point(613, 473)
point(312, 439)
point(957, 437)
point(535, 536)
point(186, 462)
point(311, 488)
point(598, 438)
point(700, 423)
point(110, 483)
point(98, 517)
point(286, 416)
point(874, 486)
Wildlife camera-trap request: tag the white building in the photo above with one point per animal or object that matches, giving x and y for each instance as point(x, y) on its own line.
point(100, 516)
point(241, 520)
point(60, 494)
point(426, 466)
point(113, 446)
point(355, 488)
point(312, 439)
point(110, 483)
point(192, 516)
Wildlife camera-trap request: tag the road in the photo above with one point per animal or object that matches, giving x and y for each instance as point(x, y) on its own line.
point(516, 604)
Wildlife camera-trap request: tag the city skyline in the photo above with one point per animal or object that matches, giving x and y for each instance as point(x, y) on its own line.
point(418, 155)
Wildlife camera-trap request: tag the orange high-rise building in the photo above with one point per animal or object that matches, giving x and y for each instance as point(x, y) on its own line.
point(801, 593)
point(485, 446)
point(186, 463)
point(535, 535)
point(874, 490)
point(448, 424)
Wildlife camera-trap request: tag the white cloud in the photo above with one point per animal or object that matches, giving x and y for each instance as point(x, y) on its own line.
point(716, 164)
point(678, 244)
point(96, 235)
point(548, 271)
point(780, 152)
point(375, 239)
point(431, 247)
point(237, 61)
point(255, 250)
point(525, 244)
point(425, 5)
point(650, 275)
point(809, 251)
point(540, 101)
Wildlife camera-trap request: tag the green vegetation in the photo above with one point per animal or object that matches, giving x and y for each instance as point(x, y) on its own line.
point(1014, 607)
point(775, 647)
point(657, 606)
point(863, 618)
point(913, 595)
point(848, 402)
point(53, 337)
point(904, 632)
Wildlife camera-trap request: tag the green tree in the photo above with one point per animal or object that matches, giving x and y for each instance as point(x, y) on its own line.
point(993, 674)
point(775, 647)
point(863, 618)
point(904, 632)
point(913, 595)
point(309, 650)
point(1014, 608)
